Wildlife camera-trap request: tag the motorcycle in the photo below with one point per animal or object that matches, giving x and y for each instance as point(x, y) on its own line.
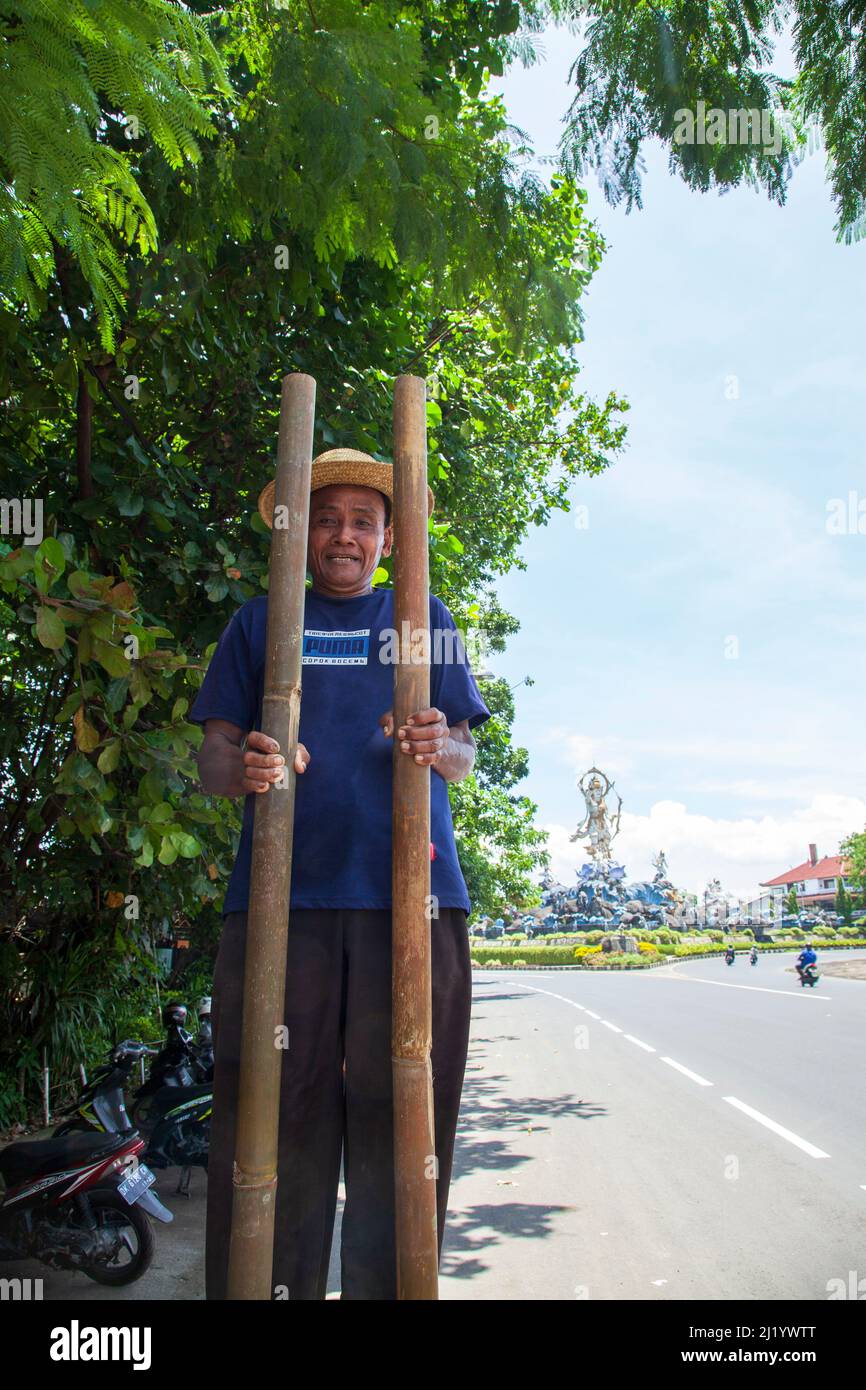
point(729, 958)
point(174, 1115)
point(753, 958)
point(178, 1064)
point(80, 1202)
point(809, 975)
point(204, 1055)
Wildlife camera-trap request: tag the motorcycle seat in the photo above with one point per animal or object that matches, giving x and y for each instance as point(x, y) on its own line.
point(21, 1160)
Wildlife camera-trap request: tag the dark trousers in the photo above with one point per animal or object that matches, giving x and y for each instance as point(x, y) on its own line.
point(338, 1007)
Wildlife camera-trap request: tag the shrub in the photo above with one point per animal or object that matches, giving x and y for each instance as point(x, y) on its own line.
point(13, 1109)
point(617, 960)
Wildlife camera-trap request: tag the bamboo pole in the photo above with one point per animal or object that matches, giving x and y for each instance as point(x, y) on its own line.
point(411, 1033)
point(255, 1167)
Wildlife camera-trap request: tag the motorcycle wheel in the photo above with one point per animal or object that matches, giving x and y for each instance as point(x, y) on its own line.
point(110, 1210)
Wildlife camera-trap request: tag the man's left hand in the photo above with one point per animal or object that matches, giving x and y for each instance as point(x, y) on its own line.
point(423, 736)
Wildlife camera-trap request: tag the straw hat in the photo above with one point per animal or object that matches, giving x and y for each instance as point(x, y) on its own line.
point(342, 466)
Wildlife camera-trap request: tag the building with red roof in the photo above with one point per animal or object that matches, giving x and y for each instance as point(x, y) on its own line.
point(815, 880)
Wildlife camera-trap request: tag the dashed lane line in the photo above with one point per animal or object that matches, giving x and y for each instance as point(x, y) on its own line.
point(692, 1075)
point(761, 1119)
point(792, 1138)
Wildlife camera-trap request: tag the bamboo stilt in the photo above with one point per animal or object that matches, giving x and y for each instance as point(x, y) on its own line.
point(255, 1168)
point(414, 1146)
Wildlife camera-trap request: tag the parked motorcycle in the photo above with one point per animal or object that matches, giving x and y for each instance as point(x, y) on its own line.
point(174, 1116)
point(204, 1042)
point(80, 1202)
point(102, 1104)
point(178, 1064)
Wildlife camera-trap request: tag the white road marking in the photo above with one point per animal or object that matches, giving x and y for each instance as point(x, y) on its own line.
point(755, 989)
point(693, 1076)
point(551, 995)
point(764, 1120)
point(784, 1133)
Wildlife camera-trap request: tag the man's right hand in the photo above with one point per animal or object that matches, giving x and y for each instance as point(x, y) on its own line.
point(264, 763)
point(226, 769)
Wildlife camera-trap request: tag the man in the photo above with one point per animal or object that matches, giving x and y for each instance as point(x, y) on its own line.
point(336, 1099)
point(808, 956)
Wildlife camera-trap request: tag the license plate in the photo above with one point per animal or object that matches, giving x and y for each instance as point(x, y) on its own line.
point(137, 1184)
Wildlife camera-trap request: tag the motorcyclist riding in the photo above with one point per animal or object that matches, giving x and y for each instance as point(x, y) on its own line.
point(729, 955)
point(806, 957)
point(753, 955)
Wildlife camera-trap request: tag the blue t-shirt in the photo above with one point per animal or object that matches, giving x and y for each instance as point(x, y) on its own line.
point(341, 852)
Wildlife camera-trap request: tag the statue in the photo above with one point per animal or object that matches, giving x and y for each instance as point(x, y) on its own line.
point(598, 825)
point(660, 864)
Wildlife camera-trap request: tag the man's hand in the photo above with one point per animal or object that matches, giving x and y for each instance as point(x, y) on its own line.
point(263, 762)
point(423, 736)
point(226, 769)
point(427, 738)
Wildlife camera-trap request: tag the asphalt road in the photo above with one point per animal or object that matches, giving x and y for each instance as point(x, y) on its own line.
point(694, 1131)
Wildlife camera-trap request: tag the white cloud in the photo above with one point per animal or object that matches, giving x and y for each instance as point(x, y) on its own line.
point(740, 852)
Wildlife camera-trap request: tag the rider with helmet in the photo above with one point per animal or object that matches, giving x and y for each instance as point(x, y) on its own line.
point(807, 956)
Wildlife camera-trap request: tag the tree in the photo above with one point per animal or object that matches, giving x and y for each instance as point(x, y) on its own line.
point(280, 249)
point(791, 902)
point(644, 69)
point(78, 83)
point(853, 850)
point(843, 904)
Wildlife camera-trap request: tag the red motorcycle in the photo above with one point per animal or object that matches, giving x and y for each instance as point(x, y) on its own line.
point(80, 1202)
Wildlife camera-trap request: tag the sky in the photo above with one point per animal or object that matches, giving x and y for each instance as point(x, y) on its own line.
point(702, 636)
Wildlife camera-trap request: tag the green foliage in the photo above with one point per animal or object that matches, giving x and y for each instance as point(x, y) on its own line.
point(854, 851)
point(534, 955)
point(77, 81)
point(498, 845)
point(641, 64)
point(843, 904)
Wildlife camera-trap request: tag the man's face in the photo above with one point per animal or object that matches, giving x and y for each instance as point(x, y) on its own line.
point(347, 536)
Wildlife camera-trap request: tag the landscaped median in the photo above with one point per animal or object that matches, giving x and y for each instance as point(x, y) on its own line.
point(583, 956)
